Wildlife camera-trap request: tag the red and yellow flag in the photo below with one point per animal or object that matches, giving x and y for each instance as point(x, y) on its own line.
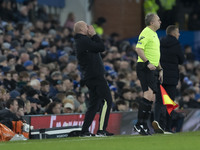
point(170, 104)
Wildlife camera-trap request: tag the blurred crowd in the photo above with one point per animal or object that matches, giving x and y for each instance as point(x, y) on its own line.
point(38, 65)
point(184, 13)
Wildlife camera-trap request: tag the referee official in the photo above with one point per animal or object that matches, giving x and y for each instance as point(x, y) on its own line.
point(148, 69)
point(88, 48)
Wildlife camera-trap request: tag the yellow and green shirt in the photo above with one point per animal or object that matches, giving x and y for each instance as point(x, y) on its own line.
point(98, 29)
point(150, 43)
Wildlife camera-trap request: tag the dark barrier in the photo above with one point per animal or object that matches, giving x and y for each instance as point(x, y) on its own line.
point(119, 123)
point(60, 132)
point(71, 120)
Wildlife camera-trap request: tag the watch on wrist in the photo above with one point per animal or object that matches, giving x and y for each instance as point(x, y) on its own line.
point(146, 63)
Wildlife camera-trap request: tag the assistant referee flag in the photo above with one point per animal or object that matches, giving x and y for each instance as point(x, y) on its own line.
point(170, 104)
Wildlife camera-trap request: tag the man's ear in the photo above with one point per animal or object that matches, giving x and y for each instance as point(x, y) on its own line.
point(172, 33)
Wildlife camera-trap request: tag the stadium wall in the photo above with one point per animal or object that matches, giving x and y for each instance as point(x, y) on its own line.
point(123, 16)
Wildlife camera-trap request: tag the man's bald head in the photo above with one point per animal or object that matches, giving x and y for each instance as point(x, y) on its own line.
point(80, 27)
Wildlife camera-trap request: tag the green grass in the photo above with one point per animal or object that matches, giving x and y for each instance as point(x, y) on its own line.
point(178, 141)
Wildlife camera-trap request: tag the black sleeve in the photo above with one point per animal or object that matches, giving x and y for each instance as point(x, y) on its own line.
point(7, 119)
point(7, 123)
point(94, 44)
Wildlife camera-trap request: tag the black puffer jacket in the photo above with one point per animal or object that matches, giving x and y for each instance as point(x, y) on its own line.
point(171, 57)
point(88, 55)
point(6, 117)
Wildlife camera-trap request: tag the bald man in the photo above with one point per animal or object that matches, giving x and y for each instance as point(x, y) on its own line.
point(88, 47)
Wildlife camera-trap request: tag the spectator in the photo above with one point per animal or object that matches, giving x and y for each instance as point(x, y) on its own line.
point(68, 84)
point(72, 96)
point(20, 111)
point(188, 100)
point(23, 15)
point(32, 15)
point(11, 60)
point(126, 95)
point(4, 96)
point(29, 48)
point(42, 13)
point(68, 108)
point(193, 23)
point(44, 96)
point(27, 107)
point(56, 75)
point(7, 82)
point(7, 14)
point(3, 64)
point(44, 69)
point(23, 80)
point(114, 39)
point(71, 67)
point(121, 105)
point(28, 65)
point(99, 25)
point(24, 57)
point(15, 78)
point(8, 115)
point(33, 97)
point(81, 99)
point(14, 94)
point(69, 23)
point(39, 25)
point(188, 53)
point(54, 108)
point(33, 76)
point(63, 58)
point(56, 88)
point(35, 84)
point(150, 6)
point(15, 44)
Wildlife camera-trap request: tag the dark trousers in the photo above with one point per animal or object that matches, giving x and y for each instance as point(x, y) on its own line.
point(100, 100)
point(148, 78)
point(160, 112)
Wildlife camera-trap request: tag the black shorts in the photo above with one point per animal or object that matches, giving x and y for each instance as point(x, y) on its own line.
point(147, 77)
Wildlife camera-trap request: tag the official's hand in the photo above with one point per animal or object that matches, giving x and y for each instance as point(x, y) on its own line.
point(91, 30)
point(161, 76)
point(151, 66)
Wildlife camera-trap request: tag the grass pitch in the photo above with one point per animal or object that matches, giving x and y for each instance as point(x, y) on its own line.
point(178, 141)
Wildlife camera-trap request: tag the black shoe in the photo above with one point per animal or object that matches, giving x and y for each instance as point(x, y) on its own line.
point(101, 133)
point(140, 129)
point(146, 129)
point(74, 133)
point(86, 134)
point(157, 127)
